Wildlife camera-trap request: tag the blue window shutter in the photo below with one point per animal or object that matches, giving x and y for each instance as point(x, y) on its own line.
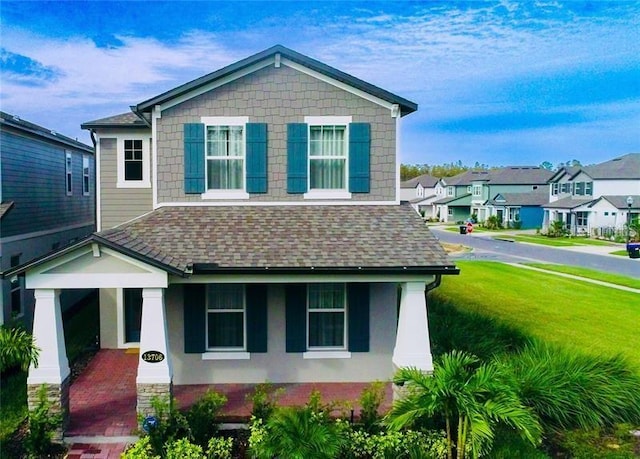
point(358, 316)
point(256, 318)
point(256, 158)
point(359, 157)
point(194, 162)
point(195, 311)
point(296, 317)
point(297, 147)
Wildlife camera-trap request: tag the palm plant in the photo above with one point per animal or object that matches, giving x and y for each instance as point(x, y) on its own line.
point(17, 349)
point(299, 433)
point(473, 395)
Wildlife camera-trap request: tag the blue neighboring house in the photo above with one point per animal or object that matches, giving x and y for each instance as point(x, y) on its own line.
point(47, 201)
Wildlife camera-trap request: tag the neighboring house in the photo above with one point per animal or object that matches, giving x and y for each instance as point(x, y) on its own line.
point(250, 229)
point(592, 199)
point(421, 192)
point(519, 210)
point(456, 203)
point(47, 201)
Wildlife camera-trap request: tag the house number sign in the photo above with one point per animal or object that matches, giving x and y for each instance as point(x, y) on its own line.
point(152, 356)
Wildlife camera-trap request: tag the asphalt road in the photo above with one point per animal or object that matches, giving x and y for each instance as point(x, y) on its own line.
point(487, 248)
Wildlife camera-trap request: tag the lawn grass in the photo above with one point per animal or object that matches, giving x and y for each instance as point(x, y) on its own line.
point(591, 318)
point(590, 274)
point(620, 253)
point(556, 241)
point(80, 329)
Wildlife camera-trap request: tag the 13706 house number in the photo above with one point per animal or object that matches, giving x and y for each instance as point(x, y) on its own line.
point(152, 356)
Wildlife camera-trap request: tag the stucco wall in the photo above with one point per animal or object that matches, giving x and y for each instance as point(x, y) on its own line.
point(279, 366)
point(276, 96)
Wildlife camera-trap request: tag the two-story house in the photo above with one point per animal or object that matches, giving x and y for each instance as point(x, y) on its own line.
point(592, 200)
point(250, 229)
point(421, 192)
point(514, 194)
point(47, 201)
point(456, 203)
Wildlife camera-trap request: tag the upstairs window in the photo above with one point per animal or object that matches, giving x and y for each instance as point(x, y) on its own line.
point(566, 187)
point(579, 189)
point(134, 162)
point(554, 188)
point(225, 157)
point(477, 190)
point(449, 191)
point(68, 174)
point(327, 157)
point(86, 184)
point(588, 188)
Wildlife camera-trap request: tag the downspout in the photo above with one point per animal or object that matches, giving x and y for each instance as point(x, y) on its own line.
point(430, 287)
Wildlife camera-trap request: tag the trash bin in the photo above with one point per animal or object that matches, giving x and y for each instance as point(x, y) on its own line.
point(633, 249)
point(463, 229)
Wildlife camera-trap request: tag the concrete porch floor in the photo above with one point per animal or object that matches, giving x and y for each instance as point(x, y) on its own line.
point(103, 398)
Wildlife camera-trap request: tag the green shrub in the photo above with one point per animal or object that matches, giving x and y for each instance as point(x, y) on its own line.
point(294, 433)
point(601, 443)
point(17, 349)
point(171, 424)
point(139, 450)
point(264, 399)
point(202, 415)
point(184, 449)
point(493, 223)
point(370, 400)
point(220, 448)
point(405, 444)
point(42, 425)
point(570, 390)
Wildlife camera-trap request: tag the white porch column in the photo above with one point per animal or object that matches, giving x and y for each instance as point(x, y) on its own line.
point(412, 339)
point(155, 372)
point(53, 365)
point(52, 372)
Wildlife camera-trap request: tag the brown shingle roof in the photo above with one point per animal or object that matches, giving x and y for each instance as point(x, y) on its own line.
point(298, 238)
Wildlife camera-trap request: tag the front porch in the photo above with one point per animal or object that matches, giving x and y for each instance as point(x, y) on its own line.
point(102, 400)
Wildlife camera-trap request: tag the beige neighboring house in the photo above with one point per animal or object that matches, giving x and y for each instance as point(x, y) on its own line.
point(421, 192)
point(250, 229)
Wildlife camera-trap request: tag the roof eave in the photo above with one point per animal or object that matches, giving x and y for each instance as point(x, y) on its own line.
point(212, 268)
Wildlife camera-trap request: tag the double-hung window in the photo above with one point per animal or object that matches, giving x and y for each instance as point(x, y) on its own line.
point(554, 188)
point(514, 214)
point(85, 176)
point(588, 188)
point(477, 190)
point(326, 309)
point(449, 191)
point(134, 161)
point(226, 308)
point(582, 218)
point(68, 174)
point(328, 157)
point(225, 157)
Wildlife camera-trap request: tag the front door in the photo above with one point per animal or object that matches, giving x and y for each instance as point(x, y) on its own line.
point(132, 314)
point(500, 215)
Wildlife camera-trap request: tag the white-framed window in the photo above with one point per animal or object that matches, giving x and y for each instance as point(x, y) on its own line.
point(566, 187)
point(554, 188)
point(16, 289)
point(449, 191)
point(588, 188)
point(226, 317)
point(327, 316)
point(225, 156)
point(328, 154)
point(450, 211)
point(514, 214)
point(86, 176)
point(477, 190)
point(581, 218)
point(134, 161)
point(468, 188)
point(68, 168)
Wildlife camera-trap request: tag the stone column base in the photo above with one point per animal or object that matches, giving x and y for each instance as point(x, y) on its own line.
point(146, 393)
point(58, 396)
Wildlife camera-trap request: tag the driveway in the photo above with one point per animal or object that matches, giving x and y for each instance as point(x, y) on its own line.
point(487, 248)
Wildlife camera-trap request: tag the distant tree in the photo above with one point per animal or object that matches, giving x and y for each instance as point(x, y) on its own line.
point(546, 165)
point(409, 171)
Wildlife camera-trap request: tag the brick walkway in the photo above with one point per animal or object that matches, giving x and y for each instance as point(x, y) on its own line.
point(103, 401)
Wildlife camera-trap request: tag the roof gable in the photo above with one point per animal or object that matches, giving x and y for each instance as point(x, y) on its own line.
point(276, 55)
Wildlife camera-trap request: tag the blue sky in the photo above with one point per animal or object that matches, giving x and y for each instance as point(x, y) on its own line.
point(500, 83)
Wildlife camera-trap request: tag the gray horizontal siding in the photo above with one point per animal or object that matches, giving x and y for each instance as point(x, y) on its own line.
point(33, 177)
point(118, 205)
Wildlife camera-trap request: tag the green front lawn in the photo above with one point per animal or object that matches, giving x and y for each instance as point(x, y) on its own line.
point(589, 317)
point(590, 274)
point(557, 241)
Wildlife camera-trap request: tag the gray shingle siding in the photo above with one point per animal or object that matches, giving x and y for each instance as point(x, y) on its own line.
point(276, 96)
point(118, 205)
point(33, 177)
